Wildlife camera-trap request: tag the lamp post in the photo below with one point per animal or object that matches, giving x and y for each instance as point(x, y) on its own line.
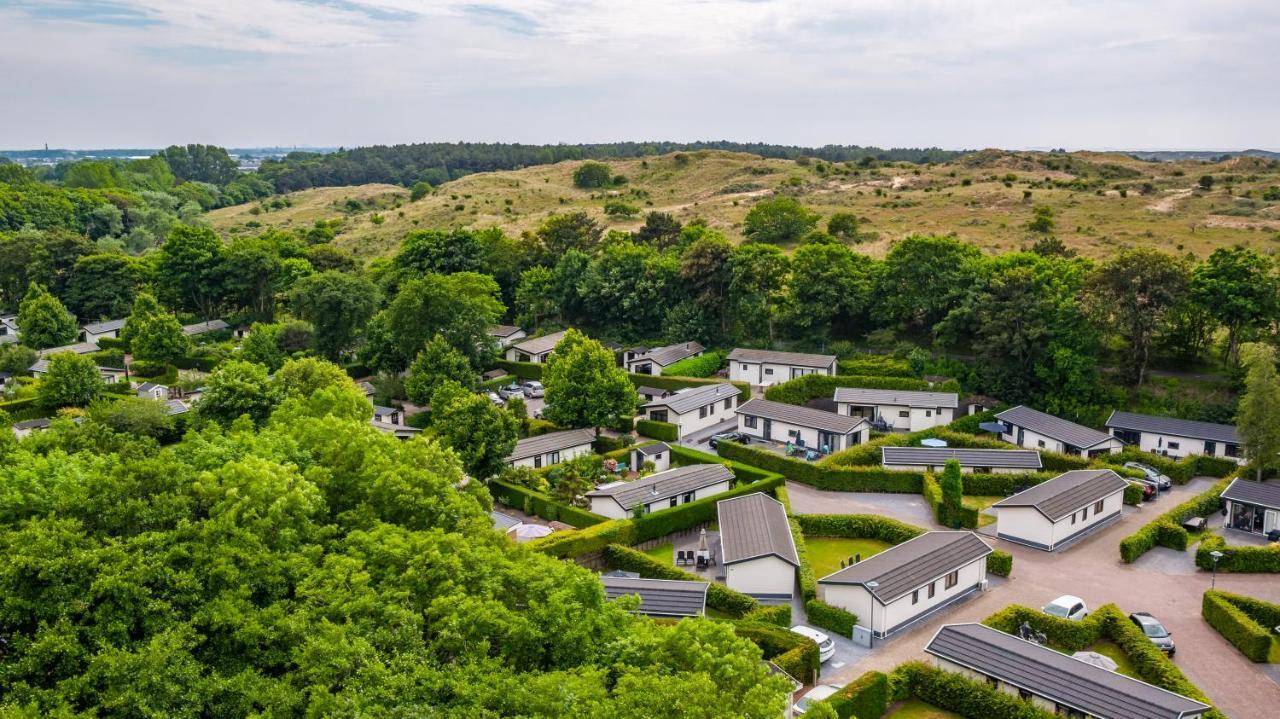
point(871, 589)
point(1213, 583)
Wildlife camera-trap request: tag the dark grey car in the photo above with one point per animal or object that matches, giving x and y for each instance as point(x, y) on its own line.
point(1154, 630)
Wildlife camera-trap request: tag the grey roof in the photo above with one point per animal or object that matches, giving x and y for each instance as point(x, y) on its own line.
point(199, 328)
point(692, 398)
point(1055, 676)
point(540, 345)
point(799, 359)
point(503, 330)
point(655, 448)
point(148, 386)
point(176, 406)
point(905, 398)
point(664, 485)
point(937, 456)
point(551, 442)
point(660, 597)
point(912, 564)
point(393, 428)
point(1173, 426)
point(40, 365)
point(1054, 427)
point(8, 339)
point(1068, 492)
point(670, 354)
point(801, 416)
point(652, 391)
point(494, 374)
point(755, 525)
point(1248, 491)
point(503, 521)
point(33, 423)
point(80, 348)
point(100, 327)
point(380, 410)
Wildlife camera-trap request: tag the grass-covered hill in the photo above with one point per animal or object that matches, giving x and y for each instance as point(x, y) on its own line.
point(1102, 202)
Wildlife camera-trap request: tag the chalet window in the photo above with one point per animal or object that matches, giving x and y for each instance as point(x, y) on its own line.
point(749, 421)
point(1232, 450)
point(675, 501)
point(904, 413)
point(537, 461)
point(768, 370)
point(1084, 514)
point(728, 403)
point(1097, 506)
point(1040, 443)
point(952, 579)
point(1073, 517)
point(931, 589)
point(555, 457)
point(993, 682)
point(688, 497)
point(744, 368)
point(1024, 695)
point(1175, 445)
point(928, 413)
point(793, 433)
point(915, 597)
point(702, 412)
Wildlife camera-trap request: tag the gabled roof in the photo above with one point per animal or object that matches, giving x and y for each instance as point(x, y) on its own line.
point(937, 456)
point(1067, 493)
point(1173, 426)
point(98, 328)
point(912, 564)
point(798, 359)
point(901, 398)
point(176, 406)
point(692, 398)
point(551, 442)
point(755, 525)
point(801, 416)
point(540, 345)
point(148, 386)
point(1053, 427)
point(1248, 491)
point(200, 328)
point(670, 354)
point(41, 423)
point(652, 391)
point(503, 330)
point(379, 410)
point(664, 485)
point(655, 448)
point(1055, 676)
point(80, 348)
point(660, 597)
point(502, 521)
point(393, 428)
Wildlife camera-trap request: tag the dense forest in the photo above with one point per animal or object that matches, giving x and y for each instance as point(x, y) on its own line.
point(438, 162)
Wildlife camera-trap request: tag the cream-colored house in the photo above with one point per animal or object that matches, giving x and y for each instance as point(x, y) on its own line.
point(901, 410)
point(759, 553)
point(657, 359)
point(905, 583)
point(659, 491)
point(535, 350)
point(766, 367)
point(986, 461)
point(694, 408)
point(816, 429)
point(551, 448)
point(1034, 429)
point(506, 335)
point(1252, 506)
point(1176, 438)
point(1066, 508)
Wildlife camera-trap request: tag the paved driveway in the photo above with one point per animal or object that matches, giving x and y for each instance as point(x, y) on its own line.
point(698, 440)
point(1159, 583)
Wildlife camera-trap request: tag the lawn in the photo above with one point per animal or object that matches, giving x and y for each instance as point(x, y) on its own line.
point(981, 503)
point(1111, 649)
point(664, 553)
point(916, 709)
point(825, 553)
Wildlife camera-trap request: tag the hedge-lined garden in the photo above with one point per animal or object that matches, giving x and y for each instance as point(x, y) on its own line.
point(1246, 622)
point(665, 431)
point(870, 695)
point(820, 614)
point(719, 597)
point(1166, 530)
point(704, 365)
point(870, 479)
point(794, 654)
point(864, 697)
point(541, 505)
point(1238, 558)
point(812, 386)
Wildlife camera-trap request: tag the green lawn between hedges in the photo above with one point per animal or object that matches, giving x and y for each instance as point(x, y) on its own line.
point(916, 709)
point(825, 553)
point(981, 503)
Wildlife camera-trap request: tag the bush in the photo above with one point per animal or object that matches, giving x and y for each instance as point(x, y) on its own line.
point(531, 502)
point(969, 424)
point(604, 444)
point(794, 654)
point(523, 370)
point(664, 431)
point(1165, 530)
point(719, 597)
point(825, 477)
point(1239, 558)
point(743, 473)
point(1069, 635)
point(109, 358)
point(704, 365)
point(1000, 563)
point(857, 526)
point(538, 427)
point(1250, 635)
point(779, 614)
point(811, 386)
point(1180, 471)
point(110, 343)
point(875, 366)
point(866, 697)
point(964, 696)
point(147, 370)
point(1133, 493)
point(954, 517)
point(833, 619)
point(577, 542)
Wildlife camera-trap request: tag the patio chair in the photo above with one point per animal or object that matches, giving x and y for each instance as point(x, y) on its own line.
point(702, 563)
point(680, 558)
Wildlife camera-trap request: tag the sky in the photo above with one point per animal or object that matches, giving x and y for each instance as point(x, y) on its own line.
point(1104, 74)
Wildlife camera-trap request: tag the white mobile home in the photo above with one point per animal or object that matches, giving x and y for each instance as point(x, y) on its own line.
point(1052, 514)
point(985, 461)
point(151, 390)
point(766, 367)
point(1034, 429)
point(95, 331)
point(551, 448)
point(1175, 438)
point(535, 350)
point(1052, 681)
point(506, 335)
point(656, 492)
point(897, 587)
point(202, 328)
point(659, 597)
point(804, 426)
point(760, 556)
point(1252, 506)
point(388, 415)
point(80, 348)
point(901, 410)
point(657, 359)
point(694, 408)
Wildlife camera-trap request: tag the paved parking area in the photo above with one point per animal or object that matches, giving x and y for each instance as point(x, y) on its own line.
point(698, 440)
point(1091, 570)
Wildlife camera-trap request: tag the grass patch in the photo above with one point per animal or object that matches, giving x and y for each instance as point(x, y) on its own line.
point(981, 503)
point(1112, 651)
point(916, 709)
point(825, 553)
point(664, 553)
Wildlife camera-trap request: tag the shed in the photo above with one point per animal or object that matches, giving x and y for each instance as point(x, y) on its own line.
point(760, 556)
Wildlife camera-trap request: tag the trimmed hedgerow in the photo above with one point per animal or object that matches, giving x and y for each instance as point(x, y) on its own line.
point(832, 618)
point(523, 370)
point(1180, 471)
point(866, 697)
point(962, 695)
point(1000, 563)
point(744, 473)
point(962, 516)
point(1238, 558)
point(1133, 493)
point(870, 479)
point(812, 386)
point(1250, 634)
point(704, 365)
point(858, 526)
point(719, 597)
point(794, 654)
point(536, 503)
point(664, 431)
point(874, 366)
point(1165, 530)
point(779, 614)
point(1070, 635)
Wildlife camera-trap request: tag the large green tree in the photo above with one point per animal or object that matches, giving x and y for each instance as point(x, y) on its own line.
point(925, 277)
point(706, 272)
point(460, 308)
point(1131, 295)
point(159, 338)
point(436, 251)
point(237, 388)
point(758, 276)
point(337, 305)
point(830, 289)
point(481, 434)
point(535, 299)
point(568, 231)
point(584, 385)
point(1258, 418)
point(103, 286)
point(782, 220)
point(43, 321)
point(436, 364)
point(630, 287)
point(1237, 287)
point(189, 270)
point(72, 380)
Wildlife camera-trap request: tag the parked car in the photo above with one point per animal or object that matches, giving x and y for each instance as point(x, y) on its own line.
point(533, 388)
point(1154, 630)
point(540, 412)
point(738, 437)
point(1153, 474)
point(1148, 489)
point(1067, 607)
point(826, 647)
point(815, 695)
point(511, 390)
point(494, 398)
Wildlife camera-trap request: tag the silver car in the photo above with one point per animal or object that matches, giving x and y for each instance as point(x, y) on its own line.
point(533, 389)
point(1152, 474)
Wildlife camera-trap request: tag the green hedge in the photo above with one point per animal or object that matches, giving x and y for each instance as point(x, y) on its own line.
point(857, 526)
point(674, 383)
point(18, 405)
point(1222, 611)
point(1238, 558)
point(812, 386)
point(962, 695)
point(1165, 530)
point(719, 597)
point(110, 343)
point(833, 619)
point(576, 542)
point(1070, 635)
point(875, 366)
point(743, 473)
point(523, 370)
point(1000, 563)
point(1180, 471)
point(704, 365)
point(824, 477)
point(536, 503)
point(804, 573)
point(794, 654)
point(966, 517)
point(1133, 493)
point(664, 431)
point(866, 697)
point(779, 614)
point(970, 423)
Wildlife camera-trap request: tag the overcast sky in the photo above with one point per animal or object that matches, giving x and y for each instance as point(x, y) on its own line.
point(955, 74)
